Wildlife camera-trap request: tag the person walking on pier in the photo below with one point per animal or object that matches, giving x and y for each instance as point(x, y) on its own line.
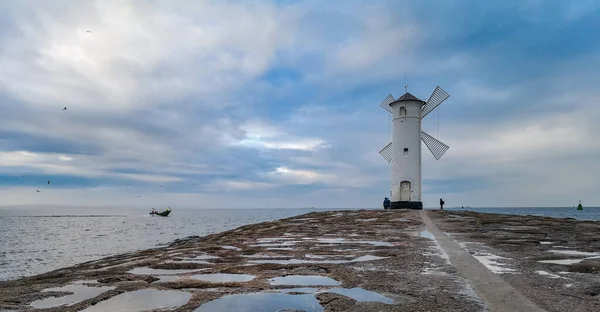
point(442, 202)
point(386, 203)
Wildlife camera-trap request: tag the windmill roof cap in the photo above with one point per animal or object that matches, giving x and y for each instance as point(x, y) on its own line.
point(408, 97)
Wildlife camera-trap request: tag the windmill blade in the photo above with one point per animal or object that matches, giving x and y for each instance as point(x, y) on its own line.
point(386, 103)
point(436, 147)
point(386, 152)
point(437, 97)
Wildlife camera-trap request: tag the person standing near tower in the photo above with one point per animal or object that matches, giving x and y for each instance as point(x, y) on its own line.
point(386, 203)
point(442, 202)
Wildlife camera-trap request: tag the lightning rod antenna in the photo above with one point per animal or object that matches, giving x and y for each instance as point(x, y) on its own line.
point(405, 84)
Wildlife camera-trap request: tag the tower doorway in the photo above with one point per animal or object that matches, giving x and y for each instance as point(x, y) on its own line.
point(405, 191)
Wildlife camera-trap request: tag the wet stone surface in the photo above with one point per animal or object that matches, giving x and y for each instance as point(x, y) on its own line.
point(553, 261)
point(322, 261)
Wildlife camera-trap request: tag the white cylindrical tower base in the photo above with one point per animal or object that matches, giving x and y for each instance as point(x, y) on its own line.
point(406, 153)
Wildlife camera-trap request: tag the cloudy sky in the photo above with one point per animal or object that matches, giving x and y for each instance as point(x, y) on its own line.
point(228, 104)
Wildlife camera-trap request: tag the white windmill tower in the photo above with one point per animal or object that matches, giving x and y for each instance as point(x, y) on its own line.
point(404, 152)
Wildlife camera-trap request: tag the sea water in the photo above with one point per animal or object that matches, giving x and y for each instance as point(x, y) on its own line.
point(588, 213)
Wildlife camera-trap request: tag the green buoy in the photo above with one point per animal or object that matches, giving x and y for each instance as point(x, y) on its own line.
point(579, 207)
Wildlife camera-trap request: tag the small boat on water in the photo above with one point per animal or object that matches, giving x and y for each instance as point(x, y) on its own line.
point(161, 214)
point(579, 207)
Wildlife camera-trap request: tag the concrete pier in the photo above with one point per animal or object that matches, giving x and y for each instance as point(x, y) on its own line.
point(393, 260)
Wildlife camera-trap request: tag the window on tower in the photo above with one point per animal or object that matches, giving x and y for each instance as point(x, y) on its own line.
point(405, 152)
point(402, 111)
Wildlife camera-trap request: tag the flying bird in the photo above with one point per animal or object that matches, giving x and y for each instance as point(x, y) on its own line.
point(38, 191)
point(48, 182)
point(23, 176)
point(65, 108)
point(89, 31)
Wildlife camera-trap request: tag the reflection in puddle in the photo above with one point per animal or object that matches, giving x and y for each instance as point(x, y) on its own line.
point(305, 290)
point(81, 282)
point(575, 253)
point(299, 261)
point(360, 294)
point(549, 275)
point(262, 302)
point(79, 293)
point(426, 234)
point(366, 220)
point(263, 255)
point(281, 244)
point(188, 260)
point(205, 257)
point(150, 271)
point(332, 240)
point(143, 300)
point(231, 247)
point(491, 262)
point(223, 277)
point(166, 278)
point(376, 243)
point(344, 241)
point(272, 239)
point(562, 261)
point(304, 280)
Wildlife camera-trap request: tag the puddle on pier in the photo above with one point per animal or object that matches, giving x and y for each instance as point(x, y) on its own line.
point(575, 253)
point(142, 300)
point(264, 255)
point(204, 257)
point(491, 262)
point(549, 275)
point(187, 260)
point(273, 239)
point(426, 234)
point(376, 243)
point(81, 282)
point(223, 277)
point(357, 293)
point(562, 261)
point(344, 241)
point(304, 280)
point(361, 295)
point(367, 220)
point(304, 290)
point(150, 271)
point(262, 302)
point(231, 247)
point(300, 261)
point(166, 278)
point(311, 256)
point(79, 294)
point(275, 244)
point(587, 255)
point(332, 240)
